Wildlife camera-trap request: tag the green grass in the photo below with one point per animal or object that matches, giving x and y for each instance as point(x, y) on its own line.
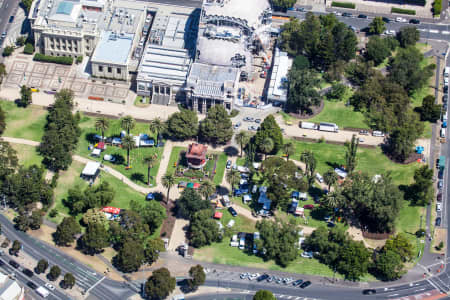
point(220, 168)
point(174, 155)
point(26, 123)
point(71, 179)
point(27, 155)
point(408, 222)
point(138, 172)
point(372, 161)
point(144, 103)
point(338, 113)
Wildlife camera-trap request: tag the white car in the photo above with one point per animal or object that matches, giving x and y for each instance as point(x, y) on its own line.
point(49, 286)
point(253, 276)
point(389, 32)
point(401, 20)
point(438, 207)
point(446, 80)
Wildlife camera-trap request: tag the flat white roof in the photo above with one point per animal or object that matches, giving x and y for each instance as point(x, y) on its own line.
point(91, 168)
point(279, 77)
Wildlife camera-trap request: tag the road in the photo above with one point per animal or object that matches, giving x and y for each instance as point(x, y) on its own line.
point(85, 276)
point(8, 8)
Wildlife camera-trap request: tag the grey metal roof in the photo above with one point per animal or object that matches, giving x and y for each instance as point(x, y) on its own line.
point(64, 8)
point(208, 80)
point(113, 48)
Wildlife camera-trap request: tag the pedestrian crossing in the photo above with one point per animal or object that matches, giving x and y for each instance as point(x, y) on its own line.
point(282, 296)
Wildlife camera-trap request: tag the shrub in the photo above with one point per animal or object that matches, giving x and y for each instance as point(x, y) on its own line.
point(343, 4)
point(29, 49)
point(8, 51)
point(234, 113)
point(403, 11)
point(79, 59)
point(437, 7)
point(63, 60)
point(53, 213)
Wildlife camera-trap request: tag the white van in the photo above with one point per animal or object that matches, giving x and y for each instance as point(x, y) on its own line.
point(442, 132)
point(319, 177)
point(446, 71)
point(444, 117)
point(378, 133)
point(226, 201)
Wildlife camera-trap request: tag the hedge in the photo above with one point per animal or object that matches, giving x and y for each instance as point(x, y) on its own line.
point(63, 60)
point(29, 48)
point(416, 2)
point(343, 4)
point(437, 7)
point(403, 11)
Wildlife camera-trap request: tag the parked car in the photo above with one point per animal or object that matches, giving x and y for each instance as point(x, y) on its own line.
point(401, 20)
point(438, 221)
point(237, 125)
point(11, 19)
point(28, 272)
point(270, 278)
point(300, 9)
point(262, 277)
point(243, 275)
point(346, 14)
point(386, 20)
point(439, 197)
point(364, 132)
point(440, 184)
point(336, 13)
point(361, 16)
point(229, 164)
point(253, 276)
point(232, 211)
point(369, 292)
point(307, 254)
point(297, 282)
point(445, 98)
point(446, 80)
point(414, 21)
point(14, 263)
point(308, 206)
point(248, 119)
point(31, 285)
point(257, 121)
point(305, 284)
point(389, 32)
point(438, 207)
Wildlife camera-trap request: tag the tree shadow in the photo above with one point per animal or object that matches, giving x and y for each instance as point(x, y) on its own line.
point(119, 159)
point(138, 177)
point(90, 137)
point(231, 151)
point(333, 165)
point(319, 213)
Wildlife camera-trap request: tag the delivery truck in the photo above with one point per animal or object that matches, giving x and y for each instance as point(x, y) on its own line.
point(331, 127)
point(308, 125)
point(42, 291)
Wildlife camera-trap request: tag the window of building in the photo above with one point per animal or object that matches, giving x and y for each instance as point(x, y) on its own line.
point(100, 68)
point(156, 89)
point(109, 69)
point(141, 87)
point(119, 71)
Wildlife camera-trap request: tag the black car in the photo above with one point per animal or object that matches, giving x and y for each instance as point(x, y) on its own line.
point(305, 284)
point(232, 211)
point(346, 14)
point(369, 292)
point(300, 9)
point(262, 277)
point(28, 272)
point(414, 21)
point(446, 89)
point(445, 98)
point(11, 19)
point(297, 282)
point(32, 285)
point(438, 221)
point(14, 263)
point(1, 263)
point(439, 197)
point(362, 16)
point(386, 20)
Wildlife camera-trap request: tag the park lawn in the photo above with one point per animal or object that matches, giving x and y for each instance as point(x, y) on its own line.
point(27, 155)
point(26, 123)
point(174, 155)
point(138, 171)
point(338, 113)
point(220, 168)
point(408, 222)
point(141, 101)
point(71, 179)
point(370, 160)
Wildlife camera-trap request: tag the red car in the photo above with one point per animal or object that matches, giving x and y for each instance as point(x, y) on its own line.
point(439, 197)
point(308, 206)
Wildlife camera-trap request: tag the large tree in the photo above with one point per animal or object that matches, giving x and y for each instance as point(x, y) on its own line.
point(2, 117)
point(264, 295)
point(129, 144)
point(269, 129)
point(159, 285)
point(242, 138)
point(41, 266)
point(183, 125)
point(203, 229)
point(190, 202)
point(95, 239)
point(408, 36)
point(198, 277)
point(377, 49)
point(66, 231)
point(303, 90)
point(377, 26)
point(421, 191)
point(266, 146)
point(25, 96)
point(330, 177)
point(216, 127)
point(207, 189)
point(54, 273)
point(168, 181)
point(127, 123)
point(130, 257)
point(8, 160)
point(150, 161)
point(68, 281)
point(102, 124)
point(151, 212)
point(288, 149)
point(350, 154)
point(152, 249)
point(157, 126)
point(429, 111)
point(283, 4)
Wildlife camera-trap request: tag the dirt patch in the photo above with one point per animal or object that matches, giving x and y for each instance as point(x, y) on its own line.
point(45, 234)
point(315, 110)
point(169, 222)
point(440, 235)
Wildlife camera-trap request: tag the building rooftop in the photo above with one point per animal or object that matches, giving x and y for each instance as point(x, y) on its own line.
point(277, 87)
point(197, 151)
point(10, 290)
point(113, 48)
point(251, 11)
point(65, 8)
point(211, 81)
point(222, 52)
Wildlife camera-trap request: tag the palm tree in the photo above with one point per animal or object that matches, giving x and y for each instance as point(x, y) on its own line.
point(266, 146)
point(288, 149)
point(127, 123)
point(129, 144)
point(350, 154)
point(207, 189)
point(157, 126)
point(149, 161)
point(333, 200)
point(330, 177)
point(233, 177)
point(102, 124)
point(168, 181)
point(242, 138)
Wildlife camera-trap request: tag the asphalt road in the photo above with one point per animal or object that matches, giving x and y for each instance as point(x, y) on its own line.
point(85, 276)
point(188, 3)
point(8, 8)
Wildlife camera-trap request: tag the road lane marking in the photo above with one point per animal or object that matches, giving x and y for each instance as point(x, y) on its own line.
point(434, 31)
point(445, 32)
